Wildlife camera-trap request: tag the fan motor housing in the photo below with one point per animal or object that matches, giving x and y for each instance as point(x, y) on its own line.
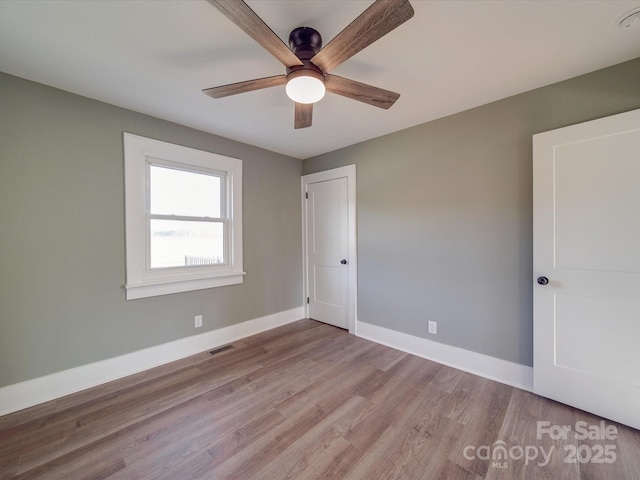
point(305, 42)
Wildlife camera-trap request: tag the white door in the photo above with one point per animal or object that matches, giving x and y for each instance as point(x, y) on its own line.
point(587, 245)
point(330, 246)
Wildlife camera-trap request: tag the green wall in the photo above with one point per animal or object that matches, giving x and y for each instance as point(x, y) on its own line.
point(62, 264)
point(445, 214)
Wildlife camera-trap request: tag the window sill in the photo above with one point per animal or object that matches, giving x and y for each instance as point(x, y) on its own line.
point(144, 290)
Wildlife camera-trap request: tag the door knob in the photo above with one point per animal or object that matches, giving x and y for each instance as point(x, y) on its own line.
point(543, 280)
point(343, 261)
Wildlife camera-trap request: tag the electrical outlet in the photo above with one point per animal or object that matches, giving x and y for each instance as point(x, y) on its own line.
point(433, 327)
point(198, 321)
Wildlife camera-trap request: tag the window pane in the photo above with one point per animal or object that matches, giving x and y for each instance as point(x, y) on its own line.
point(176, 192)
point(176, 243)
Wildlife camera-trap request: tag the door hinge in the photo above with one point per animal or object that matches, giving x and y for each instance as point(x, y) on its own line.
point(306, 194)
point(307, 299)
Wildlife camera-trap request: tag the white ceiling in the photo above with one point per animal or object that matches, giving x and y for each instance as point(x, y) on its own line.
point(155, 57)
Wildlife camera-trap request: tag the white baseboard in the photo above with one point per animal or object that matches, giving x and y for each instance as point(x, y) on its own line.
point(503, 371)
point(38, 390)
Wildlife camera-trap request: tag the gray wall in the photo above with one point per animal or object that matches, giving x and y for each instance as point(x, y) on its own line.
point(62, 235)
point(444, 225)
point(445, 214)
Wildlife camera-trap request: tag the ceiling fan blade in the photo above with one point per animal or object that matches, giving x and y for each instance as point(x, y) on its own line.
point(241, 14)
point(375, 22)
point(304, 114)
point(361, 92)
point(243, 87)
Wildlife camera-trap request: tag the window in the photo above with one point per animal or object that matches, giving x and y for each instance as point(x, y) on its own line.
point(186, 219)
point(183, 218)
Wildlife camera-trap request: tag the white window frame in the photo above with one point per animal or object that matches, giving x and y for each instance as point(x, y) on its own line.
point(141, 280)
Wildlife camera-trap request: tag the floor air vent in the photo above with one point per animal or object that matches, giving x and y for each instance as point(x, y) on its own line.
point(221, 349)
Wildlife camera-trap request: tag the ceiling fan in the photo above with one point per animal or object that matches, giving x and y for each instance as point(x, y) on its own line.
point(308, 64)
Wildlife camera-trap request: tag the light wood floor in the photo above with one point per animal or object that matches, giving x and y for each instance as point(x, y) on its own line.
point(305, 401)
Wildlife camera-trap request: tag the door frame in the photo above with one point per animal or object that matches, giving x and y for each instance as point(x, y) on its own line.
point(348, 172)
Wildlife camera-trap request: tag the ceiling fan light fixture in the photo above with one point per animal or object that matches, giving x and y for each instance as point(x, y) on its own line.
point(308, 63)
point(305, 86)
